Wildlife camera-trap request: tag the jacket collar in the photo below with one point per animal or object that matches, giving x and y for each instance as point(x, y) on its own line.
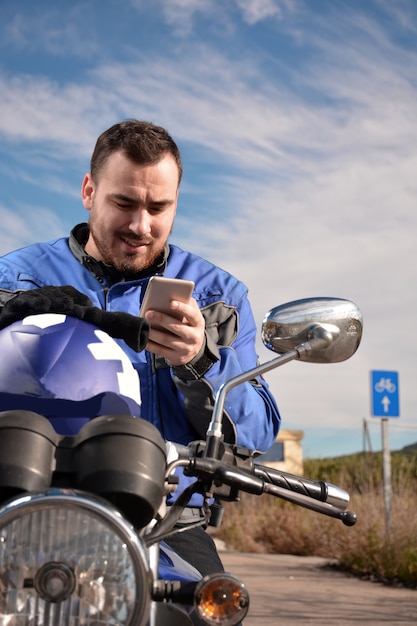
point(103, 272)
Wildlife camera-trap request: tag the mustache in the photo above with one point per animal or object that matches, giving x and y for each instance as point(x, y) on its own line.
point(132, 238)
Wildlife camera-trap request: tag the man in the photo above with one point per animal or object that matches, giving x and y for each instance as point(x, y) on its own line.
point(131, 193)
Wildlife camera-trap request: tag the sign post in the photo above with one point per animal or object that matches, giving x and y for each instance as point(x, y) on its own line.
point(385, 404)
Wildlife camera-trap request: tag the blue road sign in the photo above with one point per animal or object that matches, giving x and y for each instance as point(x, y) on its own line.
point(385, 394)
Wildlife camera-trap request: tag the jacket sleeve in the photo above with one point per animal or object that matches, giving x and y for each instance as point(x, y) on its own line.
point(251, 417)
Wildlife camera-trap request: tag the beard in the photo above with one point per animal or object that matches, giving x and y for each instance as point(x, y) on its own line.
point(123, 262)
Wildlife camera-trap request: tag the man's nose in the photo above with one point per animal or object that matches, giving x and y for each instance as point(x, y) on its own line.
point(140, 223)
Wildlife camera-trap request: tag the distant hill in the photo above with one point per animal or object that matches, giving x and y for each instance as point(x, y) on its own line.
point(413, 446)
point(363, 468)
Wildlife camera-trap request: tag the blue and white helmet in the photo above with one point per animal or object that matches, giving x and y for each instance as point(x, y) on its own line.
point(65, 369)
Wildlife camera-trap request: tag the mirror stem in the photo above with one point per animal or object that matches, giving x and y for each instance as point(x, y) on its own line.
point(215, 430)
point(214, 438)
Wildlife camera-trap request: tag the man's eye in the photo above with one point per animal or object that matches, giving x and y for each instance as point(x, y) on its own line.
point(158, 208)
point(124, 205)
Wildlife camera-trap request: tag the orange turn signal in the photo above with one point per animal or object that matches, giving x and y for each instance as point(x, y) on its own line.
point(221, 599)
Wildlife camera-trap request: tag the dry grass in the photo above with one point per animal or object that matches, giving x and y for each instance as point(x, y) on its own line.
point(268, 525)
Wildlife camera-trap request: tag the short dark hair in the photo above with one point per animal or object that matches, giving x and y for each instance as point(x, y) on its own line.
point(142, 142)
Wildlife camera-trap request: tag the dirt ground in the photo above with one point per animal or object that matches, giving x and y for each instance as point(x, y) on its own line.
point(286, 589)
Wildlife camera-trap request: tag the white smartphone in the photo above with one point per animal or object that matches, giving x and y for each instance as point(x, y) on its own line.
point(160, 291)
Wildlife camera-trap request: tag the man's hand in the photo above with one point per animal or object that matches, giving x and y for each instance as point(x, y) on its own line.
point(177, 340)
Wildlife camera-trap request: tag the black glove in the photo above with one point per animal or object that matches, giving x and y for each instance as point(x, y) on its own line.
point(68, 301)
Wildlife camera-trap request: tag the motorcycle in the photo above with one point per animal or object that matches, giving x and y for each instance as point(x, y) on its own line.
point(83, 518)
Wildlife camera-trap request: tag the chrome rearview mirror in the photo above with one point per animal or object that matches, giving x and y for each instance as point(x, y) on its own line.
point(303, 322)
point(319, 330)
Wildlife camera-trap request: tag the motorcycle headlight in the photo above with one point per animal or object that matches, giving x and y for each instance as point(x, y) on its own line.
point(67, 559)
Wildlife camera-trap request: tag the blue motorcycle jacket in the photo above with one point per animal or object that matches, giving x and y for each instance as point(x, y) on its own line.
point(177, 400)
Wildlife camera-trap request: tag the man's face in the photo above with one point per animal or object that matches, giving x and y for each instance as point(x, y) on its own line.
point(132, 211)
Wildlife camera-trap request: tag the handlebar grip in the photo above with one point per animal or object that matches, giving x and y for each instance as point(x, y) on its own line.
point(317, 489)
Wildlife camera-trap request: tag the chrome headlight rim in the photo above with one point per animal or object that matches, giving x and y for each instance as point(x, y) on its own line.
point(96, 507)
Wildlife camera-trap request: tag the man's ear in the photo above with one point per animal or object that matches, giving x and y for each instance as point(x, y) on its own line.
point(87, 191)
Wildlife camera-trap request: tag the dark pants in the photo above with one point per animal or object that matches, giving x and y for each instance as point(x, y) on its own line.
point(197, 547)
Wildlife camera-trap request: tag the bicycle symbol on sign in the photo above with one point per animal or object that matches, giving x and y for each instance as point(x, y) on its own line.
point(385, 384)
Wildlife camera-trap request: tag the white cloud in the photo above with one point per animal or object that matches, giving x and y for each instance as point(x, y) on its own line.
point(181, 15)
point(184, 16)
point(255, 11)
point(399, 13)
point(29, 225)
point(57, 31)
point(37, 109)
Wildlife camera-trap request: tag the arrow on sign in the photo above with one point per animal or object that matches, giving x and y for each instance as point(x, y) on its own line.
point(385, 403)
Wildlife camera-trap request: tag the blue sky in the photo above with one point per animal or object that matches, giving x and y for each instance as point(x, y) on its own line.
point(297, 124)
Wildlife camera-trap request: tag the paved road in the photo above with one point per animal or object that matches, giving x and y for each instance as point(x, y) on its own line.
point(293, 590)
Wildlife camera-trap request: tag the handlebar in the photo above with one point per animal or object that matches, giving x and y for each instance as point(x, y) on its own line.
point(317, 489)
point(315, 495)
